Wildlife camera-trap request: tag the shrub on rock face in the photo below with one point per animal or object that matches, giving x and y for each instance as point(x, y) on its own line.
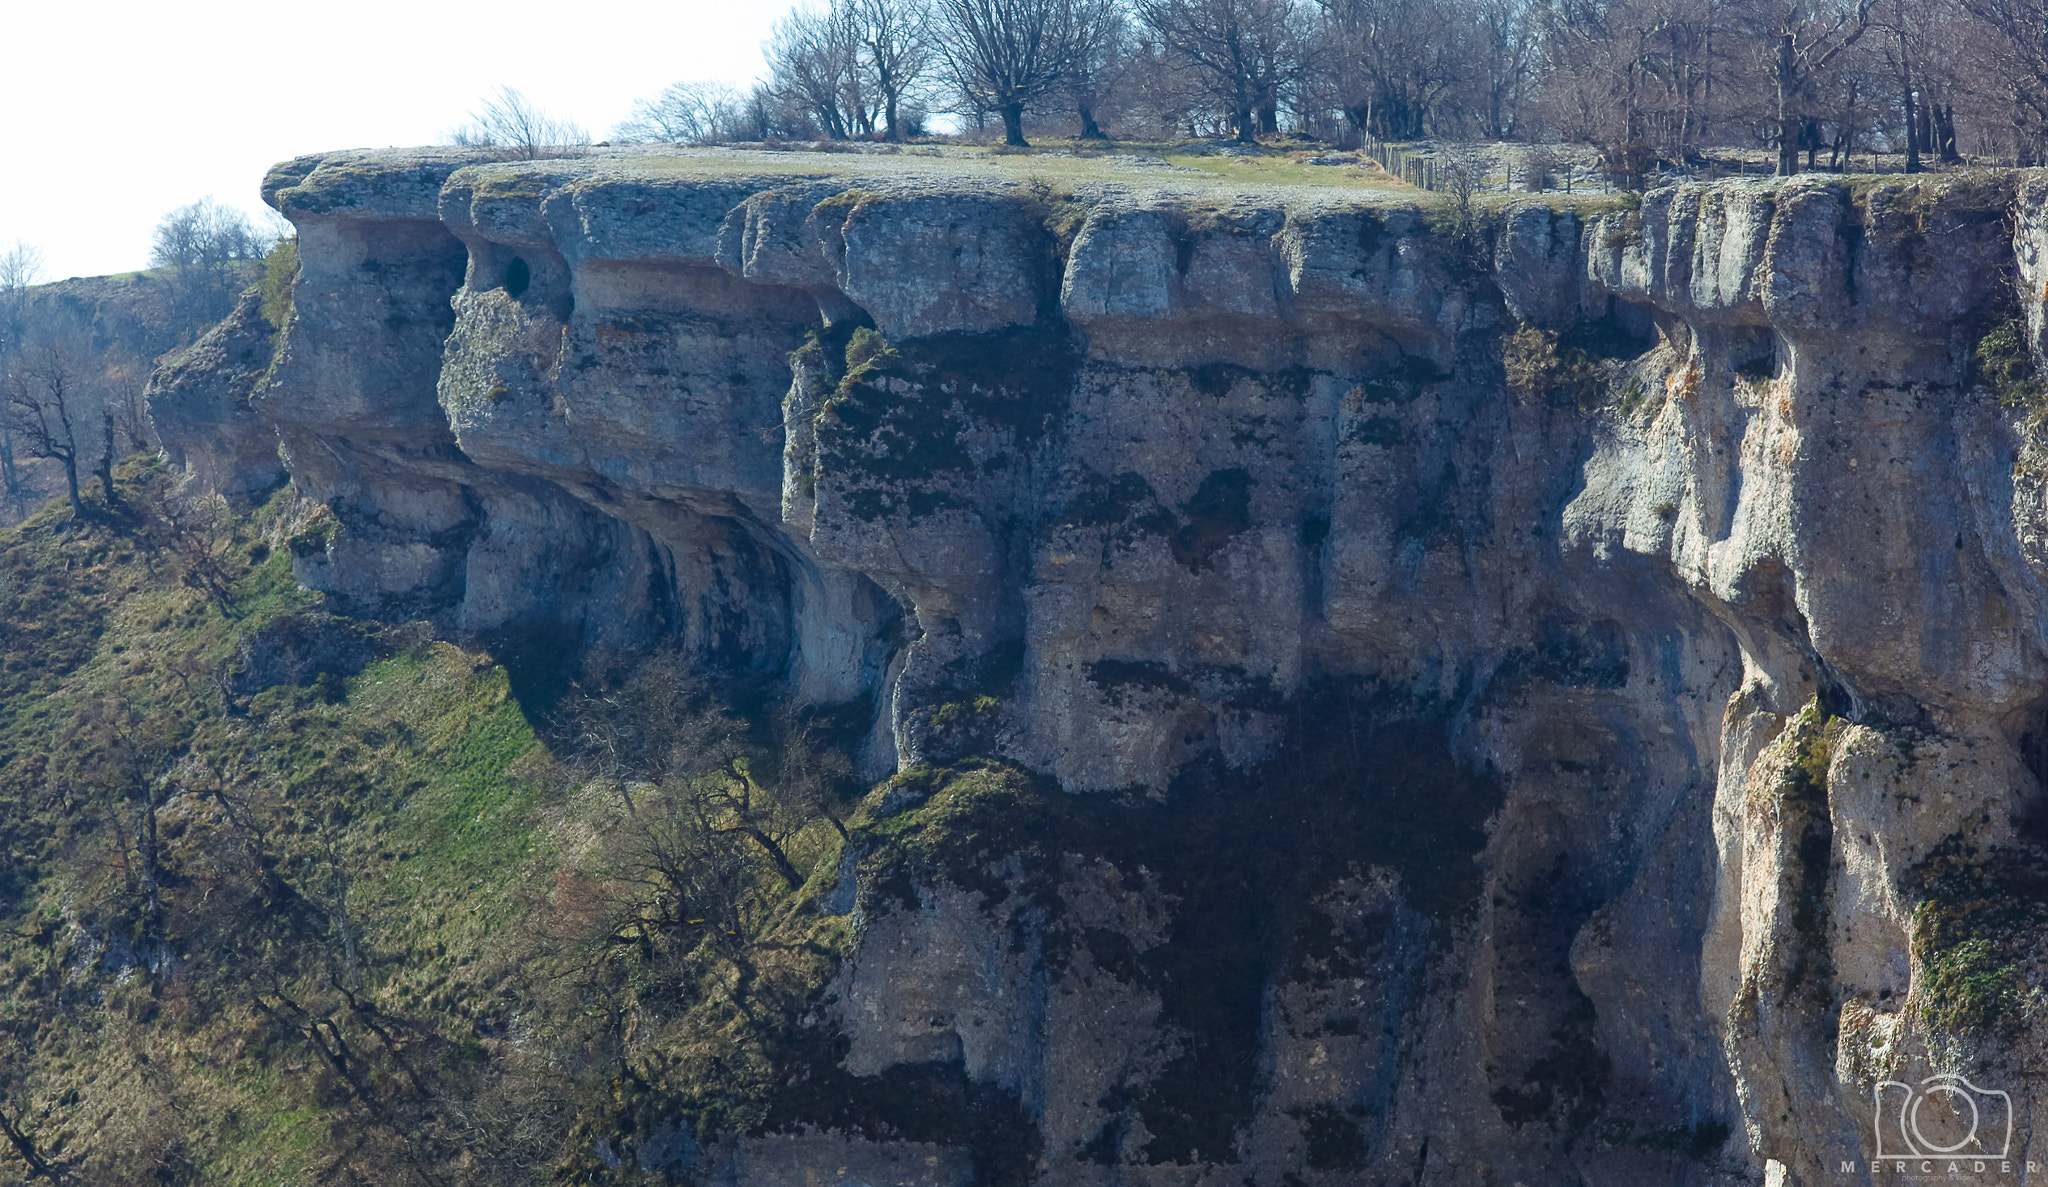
point(1529, 356)
point(1537, 365)
point(866, 346)
point(280, 272)
point(2006, 367)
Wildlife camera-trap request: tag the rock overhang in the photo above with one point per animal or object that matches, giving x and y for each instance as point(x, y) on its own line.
point(1270, 490)
point(917, 253)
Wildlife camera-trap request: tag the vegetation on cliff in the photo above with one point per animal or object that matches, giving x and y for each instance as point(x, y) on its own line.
point(293, 899)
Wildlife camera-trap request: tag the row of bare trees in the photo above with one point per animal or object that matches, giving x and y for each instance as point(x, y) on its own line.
point(1932, 80)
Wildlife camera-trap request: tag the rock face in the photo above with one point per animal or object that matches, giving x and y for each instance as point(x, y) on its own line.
point(1536, 697)
point(200, 401)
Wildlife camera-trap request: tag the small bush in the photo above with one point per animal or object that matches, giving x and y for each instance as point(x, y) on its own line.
point(2005, 365)
point(1978, 938)
point(1969, 986)
point(516, 129)
point(1059, 210)
point(1617, 232)
point(1584, 365)
point(280, 272)
point(1462, 221)
point(1537, 365)
point(1529, 358)
point(866, 347)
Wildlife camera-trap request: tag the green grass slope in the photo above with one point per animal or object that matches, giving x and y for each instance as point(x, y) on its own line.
point(363, 926)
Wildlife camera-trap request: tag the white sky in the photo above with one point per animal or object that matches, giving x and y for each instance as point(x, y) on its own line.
point(125, 109)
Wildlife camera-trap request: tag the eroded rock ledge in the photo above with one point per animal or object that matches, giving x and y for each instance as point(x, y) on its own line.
point(1624, 618)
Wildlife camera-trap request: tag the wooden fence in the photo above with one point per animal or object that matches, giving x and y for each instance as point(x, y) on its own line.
point(1411, 167)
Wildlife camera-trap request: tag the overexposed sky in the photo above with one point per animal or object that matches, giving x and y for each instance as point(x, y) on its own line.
point(122, 110)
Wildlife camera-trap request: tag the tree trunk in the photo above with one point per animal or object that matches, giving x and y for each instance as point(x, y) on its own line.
point(1788, 133)
point(1944, 121)
point(1089, 130)
point(106, 469)
point(10, 476)
point(1912, 111)
point(1269, 119)
point(146, 851)
point(1013, 125)
point(71, 484)
point(38, 1166)
point(776, 856)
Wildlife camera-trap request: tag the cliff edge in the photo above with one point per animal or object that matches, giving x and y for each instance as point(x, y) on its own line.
point(1540, 694)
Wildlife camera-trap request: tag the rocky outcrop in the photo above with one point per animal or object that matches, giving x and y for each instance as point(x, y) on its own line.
point(199, 401)
point(1532, 700)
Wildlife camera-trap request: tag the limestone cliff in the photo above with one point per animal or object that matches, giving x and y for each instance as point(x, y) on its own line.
point(1536, 702)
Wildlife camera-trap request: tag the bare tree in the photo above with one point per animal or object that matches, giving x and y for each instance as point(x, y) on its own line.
point(47, 398)
point(2021, 65)
point(814, 64)
point(893, 50)
point(709, 113)
point(1639, 78)
point(1796, 42)
point(1149, 89)
point(517, 127)
point(21, 269)
point(686, 113)
point(1848, 105)
point(1688, 44)
point(1395, 63)
point(1249, 50)
point(1102, 51)
point(1006, 55)
point(12, 485)
point(1503, 64)
point(1900, 53)
point(1946, 45)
